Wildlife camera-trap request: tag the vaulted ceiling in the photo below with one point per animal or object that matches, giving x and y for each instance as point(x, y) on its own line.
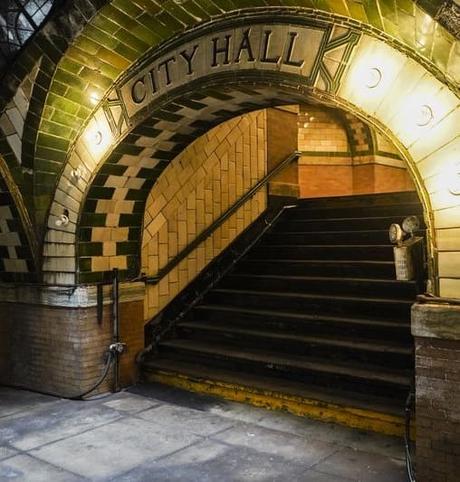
point(66, 69)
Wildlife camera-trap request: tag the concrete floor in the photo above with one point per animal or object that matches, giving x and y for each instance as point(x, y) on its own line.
point(157, 433)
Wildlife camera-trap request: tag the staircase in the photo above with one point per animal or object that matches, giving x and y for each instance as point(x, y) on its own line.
point(311, 320)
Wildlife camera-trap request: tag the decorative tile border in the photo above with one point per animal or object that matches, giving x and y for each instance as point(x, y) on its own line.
point(71, 297)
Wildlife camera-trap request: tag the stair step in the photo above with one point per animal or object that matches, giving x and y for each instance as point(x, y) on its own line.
point(378, 352)
point(313, 267)
point(305, 212)
point(371, 345)
point(313, 310)
point(312, 303)
point(338, 224)
point(369, 237)
point(362, 201)
point(292, 366)
point(281, 387)
point(289, 322)
point(305, 252)
point(322, 285)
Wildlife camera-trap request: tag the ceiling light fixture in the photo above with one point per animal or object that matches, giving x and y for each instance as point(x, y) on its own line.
point(424, 116)
point(373, 78)
point(98, 138)
point(63, 219)
point(75, 175)
point(94, 98)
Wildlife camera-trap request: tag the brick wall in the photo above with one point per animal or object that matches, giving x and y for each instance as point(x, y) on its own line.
point(344, 156)
point(194, 190)
point(54, 343)
point(325, 166)
point(375, 177)
point(437, 367)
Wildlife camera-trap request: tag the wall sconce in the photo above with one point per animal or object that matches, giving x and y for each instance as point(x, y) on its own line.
point(75, 175)
point(424, 115)
point(63, 219)
point(373, 78)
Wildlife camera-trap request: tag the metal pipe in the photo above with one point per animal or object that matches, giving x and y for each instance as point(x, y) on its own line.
point(116, 328)
point(409, 466)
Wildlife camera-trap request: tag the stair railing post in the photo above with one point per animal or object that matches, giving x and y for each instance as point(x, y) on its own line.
point(116, 328)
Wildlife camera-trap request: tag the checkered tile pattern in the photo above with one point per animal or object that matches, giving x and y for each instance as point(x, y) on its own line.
point(361, 137)
point(16, 262)
point(117, 196)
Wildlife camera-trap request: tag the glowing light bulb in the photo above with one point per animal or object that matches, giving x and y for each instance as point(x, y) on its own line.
point(94, 98)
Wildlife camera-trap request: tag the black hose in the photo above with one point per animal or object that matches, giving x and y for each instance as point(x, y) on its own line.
point(408, 410)
point(108, 363)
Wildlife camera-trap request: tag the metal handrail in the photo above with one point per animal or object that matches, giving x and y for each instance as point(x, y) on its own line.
point(159, 331)
point(218, 222)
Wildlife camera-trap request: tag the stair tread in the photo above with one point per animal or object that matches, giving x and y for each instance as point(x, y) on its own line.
point(353, 218)
point(405, 204)
point(406, 193)
point(322, 261)
point(302, 316)
point(320, 278)
point(331, 330)
point(322, 246)
point(377, 374)
point(311, 295)
point(372, 195)
point(352, 233)
point(372, 345)
point(278, 385)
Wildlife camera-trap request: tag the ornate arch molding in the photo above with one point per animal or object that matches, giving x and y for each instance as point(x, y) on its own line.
point(122, 32)
point(333, 69)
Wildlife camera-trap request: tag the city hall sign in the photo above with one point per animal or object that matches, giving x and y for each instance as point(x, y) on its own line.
point(312, 52)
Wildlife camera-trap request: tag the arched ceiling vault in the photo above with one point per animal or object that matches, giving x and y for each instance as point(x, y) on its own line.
point(114, 205)
point(124, 33)
point(330, 65)
point(113, 37)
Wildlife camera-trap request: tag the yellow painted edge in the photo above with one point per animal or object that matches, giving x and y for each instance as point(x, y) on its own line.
point(316, 409)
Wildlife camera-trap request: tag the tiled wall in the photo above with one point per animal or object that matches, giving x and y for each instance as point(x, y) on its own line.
point(325, 165)
point(123, 31)
point(282, 142)
point(341, 155)
point(14, 116)
point(194, 190)
point(16, 262)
